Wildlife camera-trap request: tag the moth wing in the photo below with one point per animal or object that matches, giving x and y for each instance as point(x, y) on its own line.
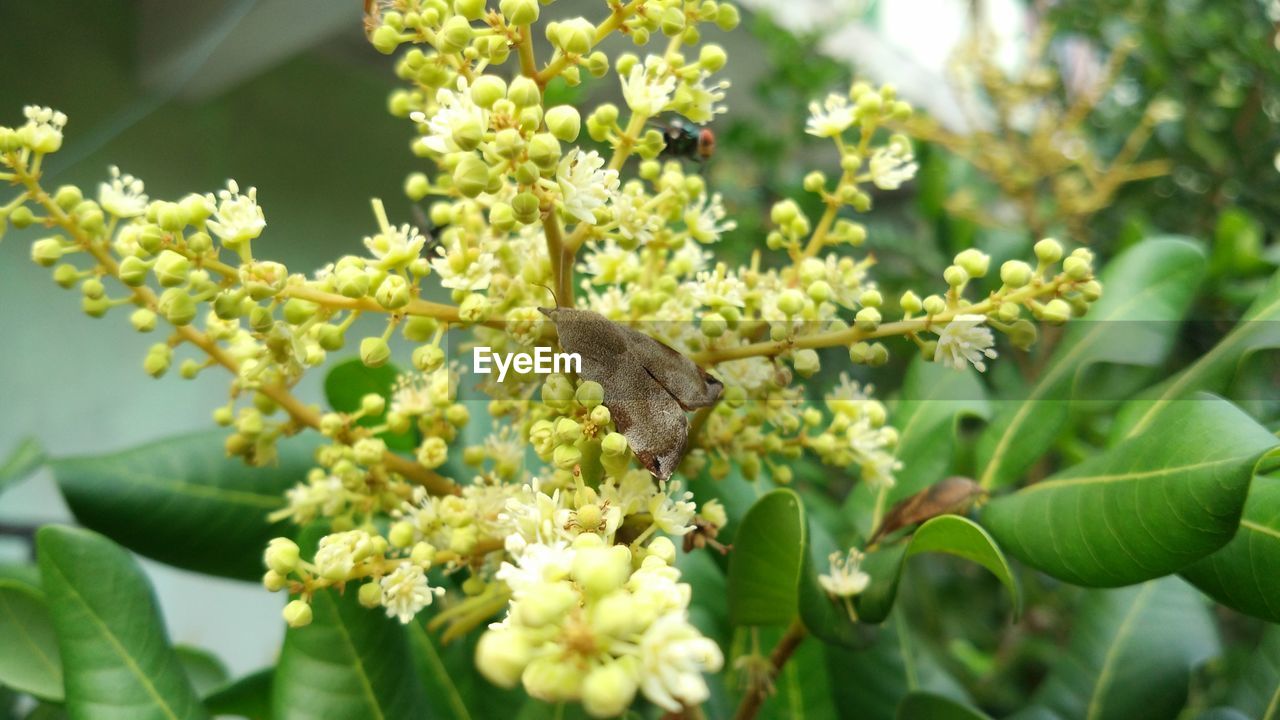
point(653, 422)
point(689, 384)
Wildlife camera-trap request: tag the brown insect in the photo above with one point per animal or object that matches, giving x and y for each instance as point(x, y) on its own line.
point(648, 387)
point(953, 496)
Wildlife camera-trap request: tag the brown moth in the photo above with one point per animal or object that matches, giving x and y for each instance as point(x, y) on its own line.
point(648, 386)
point(954, 496)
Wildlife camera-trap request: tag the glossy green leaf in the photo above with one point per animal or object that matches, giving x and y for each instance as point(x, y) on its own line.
point(203, 668)
point(1148, 288)
point(455, 689)
point(1258, 329)
point(24, 460)
point(1257, 691)
point(29, 659)
point(349, 381)
point(183, 502)
point(928, 706)
point(116, 657)
point(803, 688)
point(870, 683)
point(1245, 573)
point(1147, 507)
point(935, 399)
point(350, 662)
point(767, 559)
point(1130, 655)
point(950, 534)
point(248, 697)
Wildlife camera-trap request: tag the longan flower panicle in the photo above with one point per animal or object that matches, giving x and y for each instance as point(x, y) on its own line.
point(123, 197)
point(238, 218)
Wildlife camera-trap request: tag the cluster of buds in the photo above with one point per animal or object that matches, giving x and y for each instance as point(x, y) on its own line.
point(576, 547)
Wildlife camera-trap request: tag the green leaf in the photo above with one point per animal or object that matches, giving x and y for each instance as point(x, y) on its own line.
point(455, 688)
point(950, 534)
point(934, 400)
point(204, 669)
point(24, 460)
point(347, 384)
point(803, 687)
point(1257, 691)
point(1130, 655)
point(927, 706)
point(869, 684)
point(249, 697)
point(29, 659)
point(116, 657)
point(1147, 507)
point(183, 502)
point(1245, 573)
point(1258, 330)
point(767, 559)
point(1147, 289)
point(350, 662)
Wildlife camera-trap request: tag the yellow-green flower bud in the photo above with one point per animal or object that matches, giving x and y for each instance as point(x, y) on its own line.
point(352, 282)
point(600, 416)
point(609, 689)
point(791, 302)
point(1015, 273)
point(955, 276)
point(393, 292)
point(1077, 268)
point(601, 570)
point(169, 216)
point(589, 394)
point(47, 251)
point(93, 288)
point(474, 308)
point(262, 279)
point(544, 148)
point(714, 325)
point(1022, 333)
point(712, 57)
point(567, 431)
point(21, 217)
point(298, 311)
point(1091, 290)
point(614, 444)
point(934, 304)
point(199, 243)
point(519, 12)
point(428, 358)
point(672, 21)
point(566, 457)
point(806, 362)
point(67, 197)
point(469, 9)
point(172, 269)
point(373, 404)
point(871, 298)
point(471, 176)
point(66, 276)
point(910, 303)
point(974, 262)
point(454, 35)
point(374, 352)
point(281, 555)
point(867, 319)
point(177, 306)
point(557, 392)
point(274, 581)
point(502, 656)
point(298, 613)
point(727, 17)
point(1055, 312)
point(597, 64)
point(143, 320)
point(418, 328)
point(575, 36)
point(156, 363)
point(564, 122)
point(368, 451)
point(370, 595)
point(1008, 312)
point(524, 92)
point(487, 90)
point(815, 181)
point(385, 40)
point(1048, 251)
point(501, 217)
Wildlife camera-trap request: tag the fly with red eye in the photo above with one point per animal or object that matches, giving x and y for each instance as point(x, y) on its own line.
point(687, 141)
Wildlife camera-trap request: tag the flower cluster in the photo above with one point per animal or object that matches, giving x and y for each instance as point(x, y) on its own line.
point(570, 543)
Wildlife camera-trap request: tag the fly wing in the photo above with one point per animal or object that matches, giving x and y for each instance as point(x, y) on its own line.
point(652, 421)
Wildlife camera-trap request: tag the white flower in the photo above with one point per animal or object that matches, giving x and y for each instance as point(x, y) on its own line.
point(461, 269)
point(673, 656)
point(536, 565)
point(700, 102)
point(672, 515)
point(405, 592)
point(609, 264)
point(238, 218)
point(846, 579)
point(749, 373)
point(339, 552)
point(454, 110)
point(965, 340)
point(123, 197)
point(647, 88)
point(43, 129)
point(831, 118)
point(717, 288)
point(584, 185)
point(396, 248)
point(892, 165)
point(705, 219)
point(633, 215)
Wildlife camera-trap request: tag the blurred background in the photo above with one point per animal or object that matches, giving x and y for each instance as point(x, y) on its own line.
point(287, 96)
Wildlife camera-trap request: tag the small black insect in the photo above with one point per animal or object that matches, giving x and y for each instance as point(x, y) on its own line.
point(688, 141)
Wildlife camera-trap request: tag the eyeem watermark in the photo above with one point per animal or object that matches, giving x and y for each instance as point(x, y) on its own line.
point(542, 361)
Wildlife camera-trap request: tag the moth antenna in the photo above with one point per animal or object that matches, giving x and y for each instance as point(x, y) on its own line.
point(553, 293)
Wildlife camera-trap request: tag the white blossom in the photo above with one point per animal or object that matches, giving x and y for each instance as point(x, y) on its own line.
point(453, 110)
point(831, 118)
point(43, 129)
point(965, 340)
point(701, 102)
point(405, 592)
point(705, 219)
point(892, 165)
point(123, 196)
point(396, 247)
point(237, 218)
point(846, 577)
point(647, 88)
point(584, 184)
point(673, 657)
